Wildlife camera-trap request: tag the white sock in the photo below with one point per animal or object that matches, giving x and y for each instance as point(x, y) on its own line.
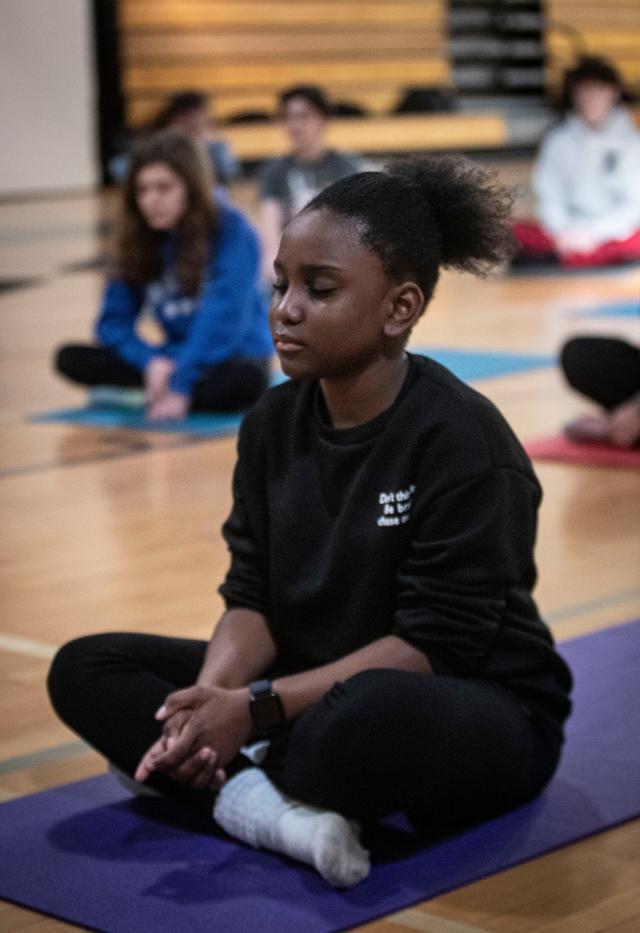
point(250, 808)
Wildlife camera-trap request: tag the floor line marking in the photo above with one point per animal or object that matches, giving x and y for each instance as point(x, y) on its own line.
point(604, 602)
point(28, 647)
point(128, 451)
point(416, 919)
point(44, 756)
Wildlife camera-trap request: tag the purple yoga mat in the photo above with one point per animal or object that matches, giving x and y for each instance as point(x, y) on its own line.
point(90, 854)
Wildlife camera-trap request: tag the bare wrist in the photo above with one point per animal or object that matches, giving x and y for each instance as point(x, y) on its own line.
point(223, 680)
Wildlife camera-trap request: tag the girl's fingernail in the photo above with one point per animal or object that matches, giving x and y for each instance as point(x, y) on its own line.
point(161, 712)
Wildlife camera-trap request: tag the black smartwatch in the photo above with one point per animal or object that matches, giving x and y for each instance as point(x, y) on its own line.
point(265, 707)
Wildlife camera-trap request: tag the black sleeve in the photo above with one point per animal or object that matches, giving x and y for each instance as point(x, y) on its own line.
point(246, 582)
point(472, 547)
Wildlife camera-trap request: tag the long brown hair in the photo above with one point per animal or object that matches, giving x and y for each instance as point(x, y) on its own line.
point(137, 252)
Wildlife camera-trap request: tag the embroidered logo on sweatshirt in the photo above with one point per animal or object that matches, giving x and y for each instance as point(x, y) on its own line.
point(164, 295)
point(396, 507)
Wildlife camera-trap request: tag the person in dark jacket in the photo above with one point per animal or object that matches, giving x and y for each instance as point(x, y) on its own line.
point(381, 649)
point(193, 265)
point(188, 112)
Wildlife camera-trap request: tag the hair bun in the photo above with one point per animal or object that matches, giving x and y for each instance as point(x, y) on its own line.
point(471, 209)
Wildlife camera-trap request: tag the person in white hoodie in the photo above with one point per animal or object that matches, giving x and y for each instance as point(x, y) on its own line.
point(587, 177)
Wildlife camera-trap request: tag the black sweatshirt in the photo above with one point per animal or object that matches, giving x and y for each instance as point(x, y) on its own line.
point(420, 523)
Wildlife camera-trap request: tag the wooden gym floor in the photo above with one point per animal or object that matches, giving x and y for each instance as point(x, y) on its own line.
point(111, 529)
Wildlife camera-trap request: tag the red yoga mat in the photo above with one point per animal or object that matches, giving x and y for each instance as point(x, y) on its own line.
point(560, 448)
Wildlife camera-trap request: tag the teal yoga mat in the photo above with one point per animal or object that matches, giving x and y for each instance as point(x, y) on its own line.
point(624, 309)
point(468, 365)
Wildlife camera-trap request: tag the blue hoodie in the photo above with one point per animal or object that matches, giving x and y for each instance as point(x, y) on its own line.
point(226, 319)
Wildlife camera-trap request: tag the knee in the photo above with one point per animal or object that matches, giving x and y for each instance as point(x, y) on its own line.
point(343, 744)
point(62, 360)
point(72, 670)
point(351, 698)
point(65, 667)
point(574, 352)
point(340, 728)
point(68, 360)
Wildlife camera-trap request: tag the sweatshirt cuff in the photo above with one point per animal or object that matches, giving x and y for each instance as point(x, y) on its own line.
point(182, 382)
point(139, 356)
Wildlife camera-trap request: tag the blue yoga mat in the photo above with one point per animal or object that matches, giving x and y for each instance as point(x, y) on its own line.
point(468, 365)
point(472, 365)
point(617, 309)
point(90, 854)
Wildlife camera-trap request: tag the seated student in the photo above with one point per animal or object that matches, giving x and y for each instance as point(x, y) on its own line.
point(187, 112)
point(194, 265)
point(607, 371)
point(380, 629)
point(586, 179)
point(288, 183)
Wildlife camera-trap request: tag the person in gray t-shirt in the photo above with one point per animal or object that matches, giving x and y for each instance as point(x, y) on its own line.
point(290, 182)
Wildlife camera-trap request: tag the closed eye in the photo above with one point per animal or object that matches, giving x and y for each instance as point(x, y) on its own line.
point(320, 292)
point(280, 287)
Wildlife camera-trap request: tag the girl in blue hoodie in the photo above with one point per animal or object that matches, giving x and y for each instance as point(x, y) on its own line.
point(192, 265)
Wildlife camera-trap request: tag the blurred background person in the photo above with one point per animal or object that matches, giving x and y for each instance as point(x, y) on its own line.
point(290, 182)
point(607, 371)
point(194, 265)
point(587, 177)
point(188, 112)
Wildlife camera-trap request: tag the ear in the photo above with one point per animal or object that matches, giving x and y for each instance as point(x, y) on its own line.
point(405, 305)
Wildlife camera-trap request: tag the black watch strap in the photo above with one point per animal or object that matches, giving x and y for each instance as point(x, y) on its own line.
point(265, 707)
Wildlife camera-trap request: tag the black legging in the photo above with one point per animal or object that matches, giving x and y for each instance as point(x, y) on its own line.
point(604, 369)
point(230, 386)
point(447, 751)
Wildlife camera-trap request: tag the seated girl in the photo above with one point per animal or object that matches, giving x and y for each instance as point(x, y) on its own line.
point(380, 649)
point(586, 178)
point(193, 264)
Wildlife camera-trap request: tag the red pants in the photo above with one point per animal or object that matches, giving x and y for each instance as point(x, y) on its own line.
point(536, 242)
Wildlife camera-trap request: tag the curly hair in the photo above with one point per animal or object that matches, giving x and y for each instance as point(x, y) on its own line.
point(424, 213)
point(137, 248)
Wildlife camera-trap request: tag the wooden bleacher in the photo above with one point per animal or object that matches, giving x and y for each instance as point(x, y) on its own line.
point(244, 52)
point(606, 28)
point(372, 135)
point(364, 52)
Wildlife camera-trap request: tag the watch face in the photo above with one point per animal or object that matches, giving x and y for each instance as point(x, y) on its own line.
point(266, 709)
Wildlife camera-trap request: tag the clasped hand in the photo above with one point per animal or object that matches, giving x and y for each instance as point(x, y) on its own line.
point(204, 728)
point(161, 402)
point(575, 241)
